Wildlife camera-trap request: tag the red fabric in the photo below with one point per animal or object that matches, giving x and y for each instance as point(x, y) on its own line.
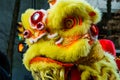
point(108, 46)
point(118, 63)
point(75, 74)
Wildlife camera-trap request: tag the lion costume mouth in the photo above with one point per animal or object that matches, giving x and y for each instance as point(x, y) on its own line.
point(48, 60)
point(58, 57)
point(71, 41)
point(51, 69)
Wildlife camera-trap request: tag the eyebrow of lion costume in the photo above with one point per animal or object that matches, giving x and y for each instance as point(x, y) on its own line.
point(63, 45)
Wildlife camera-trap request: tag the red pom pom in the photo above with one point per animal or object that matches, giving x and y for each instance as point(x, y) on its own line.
point(108, 46)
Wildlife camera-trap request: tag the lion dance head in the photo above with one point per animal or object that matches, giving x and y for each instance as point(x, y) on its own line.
point(62, 40)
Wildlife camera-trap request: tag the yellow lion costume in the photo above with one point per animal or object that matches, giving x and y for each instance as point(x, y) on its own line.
point(63, 45)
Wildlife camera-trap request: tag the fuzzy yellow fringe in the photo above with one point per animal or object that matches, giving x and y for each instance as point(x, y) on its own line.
point(104, 69)
point(47, 71)
point(98, 64)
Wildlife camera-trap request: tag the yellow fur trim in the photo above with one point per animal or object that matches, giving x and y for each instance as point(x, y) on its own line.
point(44, 71)
point(104, 69)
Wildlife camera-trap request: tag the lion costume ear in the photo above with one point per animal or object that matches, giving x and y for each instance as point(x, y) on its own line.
point(94, 13)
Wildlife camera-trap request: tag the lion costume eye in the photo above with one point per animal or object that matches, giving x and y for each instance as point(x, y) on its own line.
point(36, 17)
point(69, 23)
point(27, 33)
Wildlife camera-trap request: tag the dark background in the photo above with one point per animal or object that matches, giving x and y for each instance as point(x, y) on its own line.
point(6, 22)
